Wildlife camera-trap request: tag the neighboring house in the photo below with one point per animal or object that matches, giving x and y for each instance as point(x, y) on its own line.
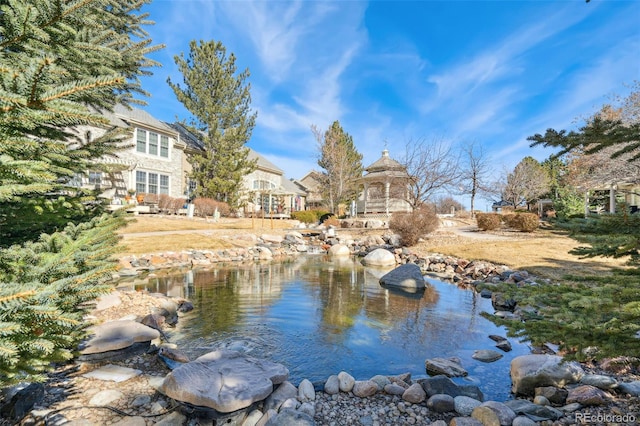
point(385, 188)
point(311, 185)
point(629, 189)
point(153, 161)
point(269, 192)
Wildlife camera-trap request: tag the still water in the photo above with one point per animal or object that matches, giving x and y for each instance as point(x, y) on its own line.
point(319, 316)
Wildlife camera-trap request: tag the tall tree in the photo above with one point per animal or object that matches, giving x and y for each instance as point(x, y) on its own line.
point(475, 172)
point(526, 183)
point(60, 64)
point(433, 167)
point(219, 100)
point(342, 165)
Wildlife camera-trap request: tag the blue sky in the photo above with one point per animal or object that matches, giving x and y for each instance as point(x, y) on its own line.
point(491, 72)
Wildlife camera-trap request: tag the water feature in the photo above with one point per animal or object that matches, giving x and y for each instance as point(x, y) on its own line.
point(319, 317)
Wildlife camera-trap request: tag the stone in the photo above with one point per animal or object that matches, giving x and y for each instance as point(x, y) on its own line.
point(464, 421)
point(465, 405)
point(523, 421)
point(131, 421)
point(309, 408)
point(106, 397)
point(486, 416)
point(252, 418)
point(486, 355)
point(414, 394)
point(588, 395)
point(541, 400)
point(224, 380)
point(140, 401)
point(379, 257)
point(285, 391)
point(273, 239)
point(631, 388)
point(107, 301)
point(346, 380)
point(339, 250)
point(504, 413)
point(266, 417)
point(531, 371)
point(450, 367)
point(441, 403)
point(394, 389)
point(365, 388)
point(381, 381)
point(620, 365)
point(172, 357)
point(504, 345)
point(18, 400)
point(533, 411)
point(289, 404)
point(553, 394)
point(113, 336)
point(600, 381)
point(306, 392)
point(154, 321)
point(501, 303)
point(440, 384)
point(114, 373)
point(408, 276)
point(172, 419)
point(291, 418)
point(332, 385)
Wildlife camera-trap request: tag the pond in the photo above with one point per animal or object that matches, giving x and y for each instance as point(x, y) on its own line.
point(319, 316)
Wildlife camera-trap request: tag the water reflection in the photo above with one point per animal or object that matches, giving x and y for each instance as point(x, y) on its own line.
point(319, 317)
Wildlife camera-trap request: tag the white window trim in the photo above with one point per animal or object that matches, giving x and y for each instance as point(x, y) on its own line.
point(160, 136)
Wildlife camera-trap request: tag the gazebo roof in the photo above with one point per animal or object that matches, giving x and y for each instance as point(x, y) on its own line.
point(384, 168)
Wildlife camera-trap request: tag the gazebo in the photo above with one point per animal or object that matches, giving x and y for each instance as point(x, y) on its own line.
point(385, 188)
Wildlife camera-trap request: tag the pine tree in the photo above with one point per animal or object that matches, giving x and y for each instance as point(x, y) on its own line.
point(219, 101)
point(342, 165)
point(60, 64)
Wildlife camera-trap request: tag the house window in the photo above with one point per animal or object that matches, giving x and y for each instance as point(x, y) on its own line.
point(141, 140)
point(95, 178)
point(263, 185)
point(152, 183)
point(152, 143)
point(164, 146)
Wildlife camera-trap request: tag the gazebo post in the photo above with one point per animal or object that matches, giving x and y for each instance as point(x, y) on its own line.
point(387, 184)
point(612, 199)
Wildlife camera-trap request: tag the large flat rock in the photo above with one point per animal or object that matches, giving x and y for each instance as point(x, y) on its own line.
point(116, 335)
point(224, 380)
point(532, 371)
point(407, 276)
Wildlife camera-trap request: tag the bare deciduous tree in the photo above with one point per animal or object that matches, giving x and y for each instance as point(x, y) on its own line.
point(475, 171)
point(433, 167)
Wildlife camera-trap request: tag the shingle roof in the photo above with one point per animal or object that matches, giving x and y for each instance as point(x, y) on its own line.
point(121, 115)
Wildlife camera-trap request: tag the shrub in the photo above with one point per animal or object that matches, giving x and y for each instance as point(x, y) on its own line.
point(525, 222)
point(508, 219)
point(488, 221)
point(305, 216)
point(412, 226)
point(170, 204)
point(332, 221)
point(207, 207)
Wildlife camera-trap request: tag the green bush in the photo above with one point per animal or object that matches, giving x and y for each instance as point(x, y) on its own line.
point(488, 221)
point(309, 216)
point(411, 226)
point(525, 222)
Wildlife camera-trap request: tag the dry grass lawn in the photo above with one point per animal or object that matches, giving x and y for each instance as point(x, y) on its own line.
point(544, 252)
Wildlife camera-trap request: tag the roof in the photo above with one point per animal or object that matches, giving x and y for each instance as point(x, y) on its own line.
point(291, 187)
point(264, 164)
point(123, 116)
point(187, 137)
point(385, 163)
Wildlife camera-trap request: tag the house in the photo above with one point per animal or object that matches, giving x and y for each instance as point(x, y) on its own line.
point(268, 192)
point(386, 186)
point(311, 185)
point(152, 162)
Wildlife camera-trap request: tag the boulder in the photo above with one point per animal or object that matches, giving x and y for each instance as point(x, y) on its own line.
point(306, 392)
point(555, 395)
point(450, 367)
point(441, 403)
point(114, 338)
point(346, 380)
point(588, 395)
point(465, 405)
point(18, 400)
point(339, 250)
point(600, 381)
point(632, 388)
point(379, 257)
point(332, 385)
point(224, 380)
point(531, 371)
point(285, 391)
point(533, 411)
point(414, 394)
point(486, 355)
point(291, 417)
point(440, 384)
point(408, 276)
point(365, 388)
